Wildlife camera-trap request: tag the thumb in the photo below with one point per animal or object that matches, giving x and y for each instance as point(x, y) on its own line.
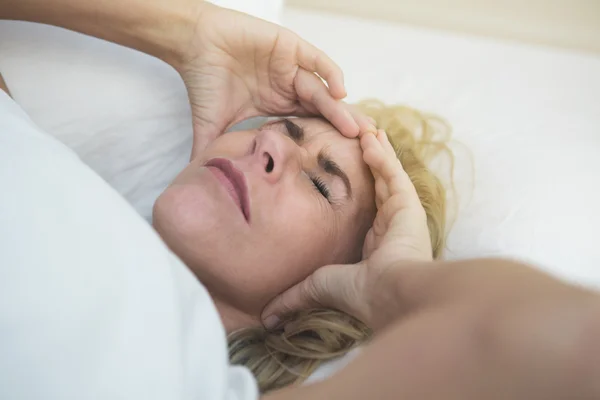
point(301, 296)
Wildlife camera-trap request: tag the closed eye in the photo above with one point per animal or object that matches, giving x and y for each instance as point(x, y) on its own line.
point(321, 186)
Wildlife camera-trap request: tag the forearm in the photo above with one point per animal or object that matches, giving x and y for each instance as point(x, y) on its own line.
point(545, 346)
point(484, 283)
point(161, 28)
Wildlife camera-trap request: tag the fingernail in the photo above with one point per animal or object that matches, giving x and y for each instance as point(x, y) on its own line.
point(271, 321)
point(372, 121)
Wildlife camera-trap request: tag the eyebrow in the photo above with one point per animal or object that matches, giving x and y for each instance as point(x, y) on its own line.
point(296, 132)
point(332, 168)
point(324, 160)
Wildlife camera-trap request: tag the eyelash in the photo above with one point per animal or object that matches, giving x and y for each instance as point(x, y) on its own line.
point(320, 185)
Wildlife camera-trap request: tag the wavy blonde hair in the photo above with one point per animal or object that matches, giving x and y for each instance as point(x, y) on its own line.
point(290, 353)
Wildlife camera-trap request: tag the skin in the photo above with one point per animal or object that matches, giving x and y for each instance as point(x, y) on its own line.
point(294, 228)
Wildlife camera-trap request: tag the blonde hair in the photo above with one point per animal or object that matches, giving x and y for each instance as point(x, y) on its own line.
point(290, 353)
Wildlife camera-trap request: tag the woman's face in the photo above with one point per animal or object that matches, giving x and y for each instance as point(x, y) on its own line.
point(260, 210)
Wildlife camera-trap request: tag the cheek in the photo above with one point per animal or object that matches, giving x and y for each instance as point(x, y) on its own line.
point(174, 219)
point(302, 237)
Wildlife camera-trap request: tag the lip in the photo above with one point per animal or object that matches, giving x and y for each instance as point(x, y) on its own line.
point(237, 180)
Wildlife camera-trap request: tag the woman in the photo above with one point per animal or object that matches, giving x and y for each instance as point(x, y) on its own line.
point(477, 356)
point(258, 211)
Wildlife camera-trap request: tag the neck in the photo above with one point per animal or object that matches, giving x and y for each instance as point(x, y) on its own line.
point(233, 318)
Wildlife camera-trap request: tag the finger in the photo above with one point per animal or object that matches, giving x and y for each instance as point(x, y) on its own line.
point(383, 138)
point(391, 154)
point(382, 193)
point(385, 214)
point(312, 90)
point(369, 147)
point(388, 168)
point(364, 122)
point(369, 141)
point(385, 165)
point(369, 244)
point(313, 59)
point(386, 147)
point(301, 296)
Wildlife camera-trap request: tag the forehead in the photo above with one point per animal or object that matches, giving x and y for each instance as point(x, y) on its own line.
point(320, 134)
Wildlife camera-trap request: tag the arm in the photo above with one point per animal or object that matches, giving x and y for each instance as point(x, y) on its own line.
point(475, 329)
point(161, 28)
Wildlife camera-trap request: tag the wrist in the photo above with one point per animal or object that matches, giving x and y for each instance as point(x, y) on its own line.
point(380, 301)
point(162, 28)
point(395, 290)
point(169, 31)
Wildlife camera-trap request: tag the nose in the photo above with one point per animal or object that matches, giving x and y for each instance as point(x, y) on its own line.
point(276, 155)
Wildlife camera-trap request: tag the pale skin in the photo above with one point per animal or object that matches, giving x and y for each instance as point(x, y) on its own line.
point(474, 329)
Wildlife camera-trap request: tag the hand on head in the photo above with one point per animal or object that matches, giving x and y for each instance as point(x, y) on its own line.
point(399, 233)
point(231, 76)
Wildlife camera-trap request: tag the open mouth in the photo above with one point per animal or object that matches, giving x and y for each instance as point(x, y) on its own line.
point(234, 182)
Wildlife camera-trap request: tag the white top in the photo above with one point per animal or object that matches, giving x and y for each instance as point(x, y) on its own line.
point(92, 303)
